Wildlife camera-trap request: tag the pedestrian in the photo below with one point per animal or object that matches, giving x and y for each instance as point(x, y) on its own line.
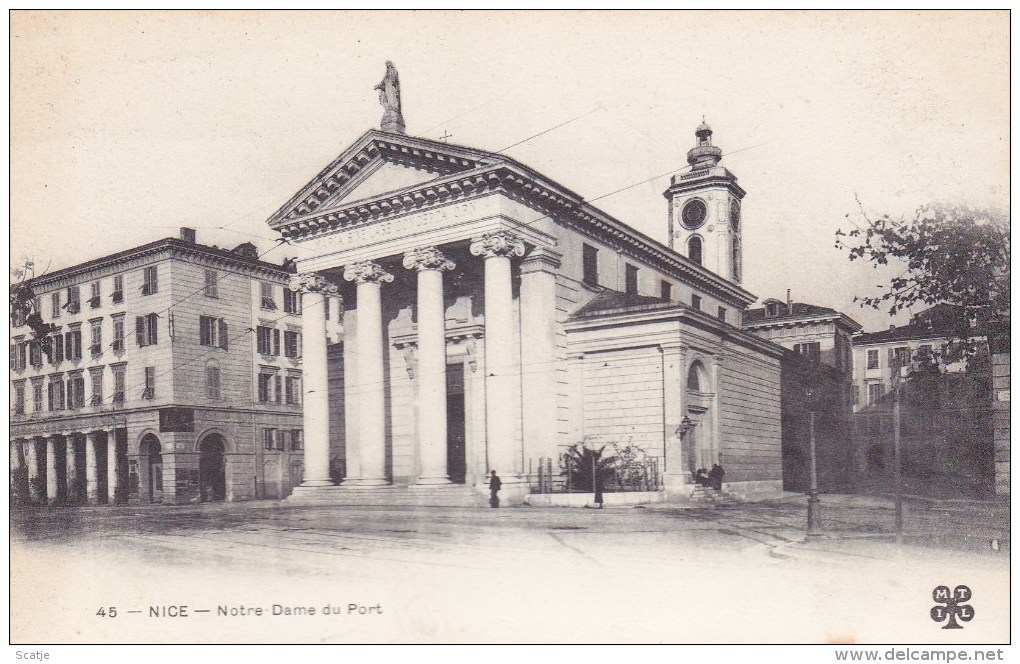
point(715, 476)
point(494, 485)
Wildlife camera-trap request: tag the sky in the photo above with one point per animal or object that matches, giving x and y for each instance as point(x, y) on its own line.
point(127, 125)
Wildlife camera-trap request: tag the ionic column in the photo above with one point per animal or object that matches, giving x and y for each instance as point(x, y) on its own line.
point(112, 478)
point(314, 377)
point(36, 491)
point(52, 486)
point(91, 468)
point(500, 368)
point(71, 478)
point(369, 383)
point(430, 264)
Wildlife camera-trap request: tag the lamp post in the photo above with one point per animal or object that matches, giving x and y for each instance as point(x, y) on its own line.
point(813, 521)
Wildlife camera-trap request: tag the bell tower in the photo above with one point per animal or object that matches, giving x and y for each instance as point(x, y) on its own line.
point(704, 210)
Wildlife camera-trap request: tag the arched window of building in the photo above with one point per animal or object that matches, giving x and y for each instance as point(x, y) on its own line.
point(694, 249)
point(694, 377)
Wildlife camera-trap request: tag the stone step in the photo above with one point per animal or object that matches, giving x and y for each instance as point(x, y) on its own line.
point(390, 496)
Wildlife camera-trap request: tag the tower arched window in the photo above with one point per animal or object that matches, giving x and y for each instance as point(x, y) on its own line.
point(694, 249)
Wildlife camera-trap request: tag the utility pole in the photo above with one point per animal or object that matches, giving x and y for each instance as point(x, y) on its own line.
point(897, 479)
point(813, 525)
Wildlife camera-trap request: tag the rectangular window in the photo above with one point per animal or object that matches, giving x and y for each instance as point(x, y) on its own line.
point(118, 289)
point(266, 295)
point(35, 353)
point(264, 339)
point(73, 299)
point(291, 300)
point(72, 341)
point(146, 330)
point(37, 396)
point(297, 441)
point(278, 389)
point(56, 304)
point(590, 265)
point(873, 358)
point(57, 349)
point(696, 302)
point(265, 386)
point(96, 347)
point(291, 344)
point(276, 342)
point(22, 357)
point(56, 393)
point(270, 439)
point(150, 383)
point(666, 290)
point(722, 314)
point(18, 318)
point(630, 279)
point(211, 279)
point(875, 392)
point(95, 300)
point(76, 392)
point(208, 330)
point(119, 384)
point(293, 388)
point(19, 398)
point(812, 351)
point(902, 356)
point(212, 382)
point(150, 280)
point(97, 386)
point(118, 334)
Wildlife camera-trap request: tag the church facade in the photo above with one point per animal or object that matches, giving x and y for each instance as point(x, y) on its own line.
point(491, 318)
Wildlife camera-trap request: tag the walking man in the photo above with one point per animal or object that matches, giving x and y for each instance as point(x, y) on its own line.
point(494, 485)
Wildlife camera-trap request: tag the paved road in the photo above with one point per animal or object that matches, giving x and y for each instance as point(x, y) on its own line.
point(523, 574)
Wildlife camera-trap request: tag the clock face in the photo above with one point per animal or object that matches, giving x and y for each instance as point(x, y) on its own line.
point(694, 214)
point(735, 215)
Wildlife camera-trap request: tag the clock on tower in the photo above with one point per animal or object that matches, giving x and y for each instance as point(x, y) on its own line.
point(704, 210)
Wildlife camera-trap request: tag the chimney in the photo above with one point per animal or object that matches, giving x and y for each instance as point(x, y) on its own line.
point(789, 302)
point(892, 326)
point(188, 234)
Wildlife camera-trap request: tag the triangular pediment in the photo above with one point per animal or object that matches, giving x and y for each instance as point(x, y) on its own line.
point(376, 164)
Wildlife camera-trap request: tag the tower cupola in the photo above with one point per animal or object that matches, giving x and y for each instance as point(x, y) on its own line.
point(703, 154)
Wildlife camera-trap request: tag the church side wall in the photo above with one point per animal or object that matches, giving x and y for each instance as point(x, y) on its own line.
point(750, 419)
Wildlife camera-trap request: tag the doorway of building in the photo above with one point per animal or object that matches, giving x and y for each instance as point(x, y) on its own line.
point(456, 430)
point(212, 469)
point(152, 452)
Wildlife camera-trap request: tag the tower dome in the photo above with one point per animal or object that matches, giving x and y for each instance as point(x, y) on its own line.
point(703, 154)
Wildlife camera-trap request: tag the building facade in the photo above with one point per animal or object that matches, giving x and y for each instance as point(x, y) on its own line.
point(817, 379)
point(172, 374)
point(946, 422)
point(492, 318)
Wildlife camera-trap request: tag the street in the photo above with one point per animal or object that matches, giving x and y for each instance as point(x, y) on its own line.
point(266, 572)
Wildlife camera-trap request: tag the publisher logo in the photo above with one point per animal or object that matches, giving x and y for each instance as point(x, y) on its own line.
point(953, 608)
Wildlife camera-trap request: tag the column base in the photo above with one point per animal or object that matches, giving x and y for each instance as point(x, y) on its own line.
point(314, 483)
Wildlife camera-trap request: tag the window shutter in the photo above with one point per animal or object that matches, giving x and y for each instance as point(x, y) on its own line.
point(224, 342)
point(276, 342)
point(140, 330)
point(278, 389)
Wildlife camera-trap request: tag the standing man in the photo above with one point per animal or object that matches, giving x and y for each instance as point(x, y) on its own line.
point(494, 485)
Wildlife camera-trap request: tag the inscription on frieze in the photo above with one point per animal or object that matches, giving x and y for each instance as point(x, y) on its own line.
point(391, 228)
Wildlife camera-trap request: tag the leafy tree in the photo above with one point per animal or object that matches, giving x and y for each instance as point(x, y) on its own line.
point(580, 459)
point(956, 254)
point(23, 308)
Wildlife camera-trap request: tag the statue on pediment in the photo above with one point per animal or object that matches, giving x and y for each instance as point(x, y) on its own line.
point(389, 97)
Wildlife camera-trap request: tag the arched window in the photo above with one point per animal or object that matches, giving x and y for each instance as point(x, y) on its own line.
point(694, 249)
point(693, 378)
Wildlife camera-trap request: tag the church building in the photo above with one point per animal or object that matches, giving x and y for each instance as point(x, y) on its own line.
point(491, 318)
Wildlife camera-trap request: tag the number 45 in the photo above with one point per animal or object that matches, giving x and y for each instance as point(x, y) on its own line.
point(107, 612)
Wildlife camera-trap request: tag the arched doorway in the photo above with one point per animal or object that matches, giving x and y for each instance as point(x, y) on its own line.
point(212, 468)
point(152, 465)
point(698, 444)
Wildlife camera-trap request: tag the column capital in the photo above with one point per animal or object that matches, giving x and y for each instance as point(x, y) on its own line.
point(367, 272)
point(427, 258)
point(497, 243)
point(310, 282)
